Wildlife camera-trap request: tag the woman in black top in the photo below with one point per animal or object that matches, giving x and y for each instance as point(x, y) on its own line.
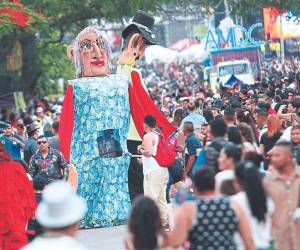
point(210, 221)
point(269, 138)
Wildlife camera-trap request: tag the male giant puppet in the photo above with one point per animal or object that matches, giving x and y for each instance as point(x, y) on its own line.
point(94, 126)
point(136, 36)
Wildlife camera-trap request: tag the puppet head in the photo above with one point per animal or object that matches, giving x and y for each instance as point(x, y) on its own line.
point(136, 36)
point(90, 53)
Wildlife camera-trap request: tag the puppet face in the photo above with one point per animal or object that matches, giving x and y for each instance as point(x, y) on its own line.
point(131, 54)
point(90, 53)
point(93, 55)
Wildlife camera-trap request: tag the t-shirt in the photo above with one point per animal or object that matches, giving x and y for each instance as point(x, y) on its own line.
point(212, 152)
point(30, 149)
point(192, 144)
point(195, 118)
point(54, 142)
point(12, 147)
point(223, 176)
point(269, 142)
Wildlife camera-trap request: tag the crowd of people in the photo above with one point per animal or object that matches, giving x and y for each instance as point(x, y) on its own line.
point(172, 80)
point(239, 150)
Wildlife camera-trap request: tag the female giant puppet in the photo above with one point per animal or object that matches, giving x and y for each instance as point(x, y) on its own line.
point(93, 130)
point(94, 125)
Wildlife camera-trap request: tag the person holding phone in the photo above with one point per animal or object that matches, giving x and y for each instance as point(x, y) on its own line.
point(12, 142)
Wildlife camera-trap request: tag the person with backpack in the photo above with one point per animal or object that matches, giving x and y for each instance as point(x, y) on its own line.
point(155, 176)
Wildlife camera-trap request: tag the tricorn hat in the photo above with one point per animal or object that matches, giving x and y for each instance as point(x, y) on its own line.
point(144, 23)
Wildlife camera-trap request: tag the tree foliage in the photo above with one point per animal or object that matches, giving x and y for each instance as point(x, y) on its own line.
point(44, 49)
point(16, 18)
point(247, 7)
point(52, 24)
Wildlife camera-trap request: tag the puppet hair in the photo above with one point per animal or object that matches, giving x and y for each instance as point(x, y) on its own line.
point(76, 49)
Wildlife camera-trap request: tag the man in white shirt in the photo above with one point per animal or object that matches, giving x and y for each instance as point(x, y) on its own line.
point(155, 177)
point(59, 212)
point(42, 119)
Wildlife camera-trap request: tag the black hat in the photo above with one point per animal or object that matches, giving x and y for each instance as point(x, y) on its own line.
point(32, 127)
point(144, 23)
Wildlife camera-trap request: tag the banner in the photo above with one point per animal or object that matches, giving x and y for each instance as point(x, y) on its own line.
point(14, 60)
point(291, 28)
point(19, 100)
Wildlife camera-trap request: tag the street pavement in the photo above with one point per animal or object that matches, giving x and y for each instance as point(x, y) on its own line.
point(111, 238)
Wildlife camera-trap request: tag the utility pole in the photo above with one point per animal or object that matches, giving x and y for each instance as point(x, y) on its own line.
point(281, 40)
point(227, 13)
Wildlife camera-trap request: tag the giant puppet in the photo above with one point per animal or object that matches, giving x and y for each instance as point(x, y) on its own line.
point(136, 37)
point(94, 126)
point(93, 130)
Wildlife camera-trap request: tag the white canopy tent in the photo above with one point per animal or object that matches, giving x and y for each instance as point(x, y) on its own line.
point(160, 54)
point(196, 52)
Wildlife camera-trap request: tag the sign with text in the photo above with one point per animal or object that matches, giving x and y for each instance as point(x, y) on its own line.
point(237, 36)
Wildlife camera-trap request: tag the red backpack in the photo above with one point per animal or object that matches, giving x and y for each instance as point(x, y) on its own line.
point(166, 153)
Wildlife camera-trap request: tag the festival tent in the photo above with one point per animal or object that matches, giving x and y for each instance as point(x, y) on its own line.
point(183, 44)
point(161, 54)
point(196, 52)
point(232, 80)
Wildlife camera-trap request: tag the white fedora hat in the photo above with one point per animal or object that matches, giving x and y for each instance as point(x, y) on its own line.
point(60, 206)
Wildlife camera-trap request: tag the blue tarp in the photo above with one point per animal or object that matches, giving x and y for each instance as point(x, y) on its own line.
point(232, 80)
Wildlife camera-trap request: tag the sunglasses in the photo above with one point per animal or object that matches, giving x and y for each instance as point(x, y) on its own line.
point(42, 142)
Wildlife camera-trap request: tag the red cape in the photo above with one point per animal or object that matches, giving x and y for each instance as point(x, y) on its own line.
point(142, 105)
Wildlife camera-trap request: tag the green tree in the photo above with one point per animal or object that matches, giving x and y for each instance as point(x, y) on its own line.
point(44, 40)
point(246, 7)
point(44, 49)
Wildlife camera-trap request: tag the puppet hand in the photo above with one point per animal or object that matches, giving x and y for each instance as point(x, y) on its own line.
point(127, 57)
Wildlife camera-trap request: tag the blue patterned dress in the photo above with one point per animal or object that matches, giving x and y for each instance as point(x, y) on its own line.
point(98, 148)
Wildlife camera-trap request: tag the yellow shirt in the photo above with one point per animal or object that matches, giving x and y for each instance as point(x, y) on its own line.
point(126, 71)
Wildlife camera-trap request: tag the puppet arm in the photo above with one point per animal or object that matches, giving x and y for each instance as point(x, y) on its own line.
point(142, 105)
point(66, 123)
